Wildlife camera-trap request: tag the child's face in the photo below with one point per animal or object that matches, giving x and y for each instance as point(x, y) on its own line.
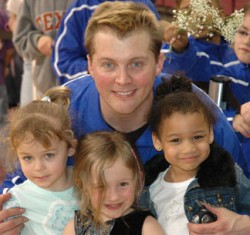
point(119, 194)
point(45, 167)
point(242, 41)
point(185, 140)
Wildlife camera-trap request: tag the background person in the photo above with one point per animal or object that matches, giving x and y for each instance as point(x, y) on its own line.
point(36, 28)
point(198, 55)
point(26, 92)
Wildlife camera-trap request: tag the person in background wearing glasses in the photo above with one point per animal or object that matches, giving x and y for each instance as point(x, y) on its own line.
point(240, 86)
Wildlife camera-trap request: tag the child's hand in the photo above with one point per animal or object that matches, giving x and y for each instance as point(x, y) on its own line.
point(44, 45)
point(245, 112)
point(178, 39)
point(240, 125)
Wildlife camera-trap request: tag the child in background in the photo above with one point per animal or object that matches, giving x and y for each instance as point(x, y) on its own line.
point(239, 74)
point(109, 180)
point(200, 171)
point(41, 138)
point(198, 56)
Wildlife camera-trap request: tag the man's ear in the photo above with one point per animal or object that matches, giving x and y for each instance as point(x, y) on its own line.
point(89, 65)
point(156, 142)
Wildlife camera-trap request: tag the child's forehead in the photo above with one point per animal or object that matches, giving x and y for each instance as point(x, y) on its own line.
point(246, 21)
point(117, 169)
point(29, 138)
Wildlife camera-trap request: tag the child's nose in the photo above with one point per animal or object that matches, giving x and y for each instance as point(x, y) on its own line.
point(188, 146)
point(112, 194)
point(38, 165)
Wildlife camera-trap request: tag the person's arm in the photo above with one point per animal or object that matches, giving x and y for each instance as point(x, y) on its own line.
point(151, 227)
point(228, 223)
point(194, 62)
point(69, 229)
point(12, 226)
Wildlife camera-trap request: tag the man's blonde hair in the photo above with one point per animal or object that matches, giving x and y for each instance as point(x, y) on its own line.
point(123, 18)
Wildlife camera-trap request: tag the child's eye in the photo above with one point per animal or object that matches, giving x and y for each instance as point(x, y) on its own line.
point(123, 184)
point(177, 140)
point(49, 155)
point(243, 33)
point(27, 158)
point(197, 137)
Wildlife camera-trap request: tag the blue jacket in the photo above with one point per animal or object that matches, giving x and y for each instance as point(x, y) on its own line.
point(219, 182)
point(235, 199)
point(86, 117)
point(200, 60)
point(240, 88)
point(69, 59)
point(84, 87)
point(240, 77)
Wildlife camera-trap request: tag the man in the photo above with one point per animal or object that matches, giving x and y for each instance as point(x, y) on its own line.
point(125, 63)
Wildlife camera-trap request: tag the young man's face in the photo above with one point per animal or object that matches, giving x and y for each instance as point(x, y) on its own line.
point(242, 41)
point(124, 71)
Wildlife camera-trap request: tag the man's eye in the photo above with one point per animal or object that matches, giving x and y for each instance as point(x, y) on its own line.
point(136, 65)
point(108, 65)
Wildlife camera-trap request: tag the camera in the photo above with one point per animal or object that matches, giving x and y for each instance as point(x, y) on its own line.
point(204, 216)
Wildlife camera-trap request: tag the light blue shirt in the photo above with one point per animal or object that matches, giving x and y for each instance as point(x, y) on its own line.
point(48, 212)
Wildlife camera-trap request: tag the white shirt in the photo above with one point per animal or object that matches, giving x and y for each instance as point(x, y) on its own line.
point(168, 199)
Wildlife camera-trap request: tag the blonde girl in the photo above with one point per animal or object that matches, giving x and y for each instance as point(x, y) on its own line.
point(109, 180)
